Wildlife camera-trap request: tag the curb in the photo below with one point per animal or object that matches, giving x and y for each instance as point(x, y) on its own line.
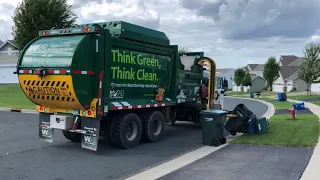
point(26, 111)
point(270, 111)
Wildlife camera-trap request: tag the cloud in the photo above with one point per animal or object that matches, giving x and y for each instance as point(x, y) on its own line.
point(6, 11)
point(232, 32)
point(249, 19)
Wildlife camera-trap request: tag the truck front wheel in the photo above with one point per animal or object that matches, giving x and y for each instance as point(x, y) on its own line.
point(74, 137)
point(153, 126)
point(126, 130)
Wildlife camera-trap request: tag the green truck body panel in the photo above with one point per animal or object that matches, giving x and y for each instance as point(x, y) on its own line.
point(136, 61)
point(134, 32)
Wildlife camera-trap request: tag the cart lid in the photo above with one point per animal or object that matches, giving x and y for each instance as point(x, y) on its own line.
point(213, 111)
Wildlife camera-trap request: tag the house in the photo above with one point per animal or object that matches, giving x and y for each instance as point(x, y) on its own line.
point(257, 83)
point(8, 61)
point(288, 79)
point(256, 69)
point(228, 74)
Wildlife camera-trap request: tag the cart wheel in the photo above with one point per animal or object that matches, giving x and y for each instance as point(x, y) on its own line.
point(233, 133)
point(223, 140)
point(215, 142)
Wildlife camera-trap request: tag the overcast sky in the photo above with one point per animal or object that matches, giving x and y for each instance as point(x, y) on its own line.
point(232, 32)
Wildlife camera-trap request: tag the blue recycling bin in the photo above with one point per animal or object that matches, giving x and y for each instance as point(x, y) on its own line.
point(251, 95)
point(282, 96)
point(299, 105)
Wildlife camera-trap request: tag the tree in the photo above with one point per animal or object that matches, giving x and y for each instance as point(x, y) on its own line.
point(247, 79)
point(31, 16)
point(309, 69)
point(239, 75)
point(183, 49)
point(271, 72)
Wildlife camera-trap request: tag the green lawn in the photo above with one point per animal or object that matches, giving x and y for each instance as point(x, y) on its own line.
point(11, 96)
point(302, 132)
point(303, 96)
point(278, 104)
point(316, 102)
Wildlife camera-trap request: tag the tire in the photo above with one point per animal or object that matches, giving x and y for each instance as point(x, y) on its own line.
point(233, 133)
point(153, 126)
point(71, 136)
point(126, 130)
point(223, 140)
point(215, 142)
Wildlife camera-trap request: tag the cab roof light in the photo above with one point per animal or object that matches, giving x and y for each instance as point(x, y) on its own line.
point(84, 29)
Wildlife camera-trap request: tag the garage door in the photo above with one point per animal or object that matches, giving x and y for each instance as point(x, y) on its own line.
point(7, 76)
point(277, 88)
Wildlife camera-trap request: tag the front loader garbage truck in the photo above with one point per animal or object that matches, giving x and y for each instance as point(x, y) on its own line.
point(114, 80)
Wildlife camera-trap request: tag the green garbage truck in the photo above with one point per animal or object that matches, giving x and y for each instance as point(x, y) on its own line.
point(115, 80)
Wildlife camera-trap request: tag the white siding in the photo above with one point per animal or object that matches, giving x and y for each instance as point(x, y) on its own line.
point(229, 77)
point(236, 88)
point(278, 85)
point(290, 85)
point(315, 87)
point(7, 76)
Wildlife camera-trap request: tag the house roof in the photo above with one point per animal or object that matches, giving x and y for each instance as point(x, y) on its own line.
point(1, 42)
point(12, 42)
point(287, 71)
point(252, 66)
point(256, 67)
point(224, 70)
point(287, 59)
point(294, 63)
point(254, 76)
point(260, 67)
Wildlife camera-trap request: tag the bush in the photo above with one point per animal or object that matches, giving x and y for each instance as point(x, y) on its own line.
point(293, 89)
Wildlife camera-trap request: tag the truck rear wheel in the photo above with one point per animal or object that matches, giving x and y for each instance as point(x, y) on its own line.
point(126, 130)
point(153, 126)
point(74, 137)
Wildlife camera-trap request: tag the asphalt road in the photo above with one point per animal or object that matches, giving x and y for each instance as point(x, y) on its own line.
point(23, 156)
point(247, 162)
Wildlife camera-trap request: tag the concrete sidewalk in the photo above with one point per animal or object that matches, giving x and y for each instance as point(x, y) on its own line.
point(312, 170)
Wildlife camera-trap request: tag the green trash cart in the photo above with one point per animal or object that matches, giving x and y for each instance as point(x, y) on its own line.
point(213, 121)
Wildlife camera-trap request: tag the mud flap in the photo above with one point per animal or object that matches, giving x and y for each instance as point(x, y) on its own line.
point(89, 140)
point(45, 132)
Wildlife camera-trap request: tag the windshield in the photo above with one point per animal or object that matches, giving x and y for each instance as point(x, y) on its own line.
point(187, 61)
